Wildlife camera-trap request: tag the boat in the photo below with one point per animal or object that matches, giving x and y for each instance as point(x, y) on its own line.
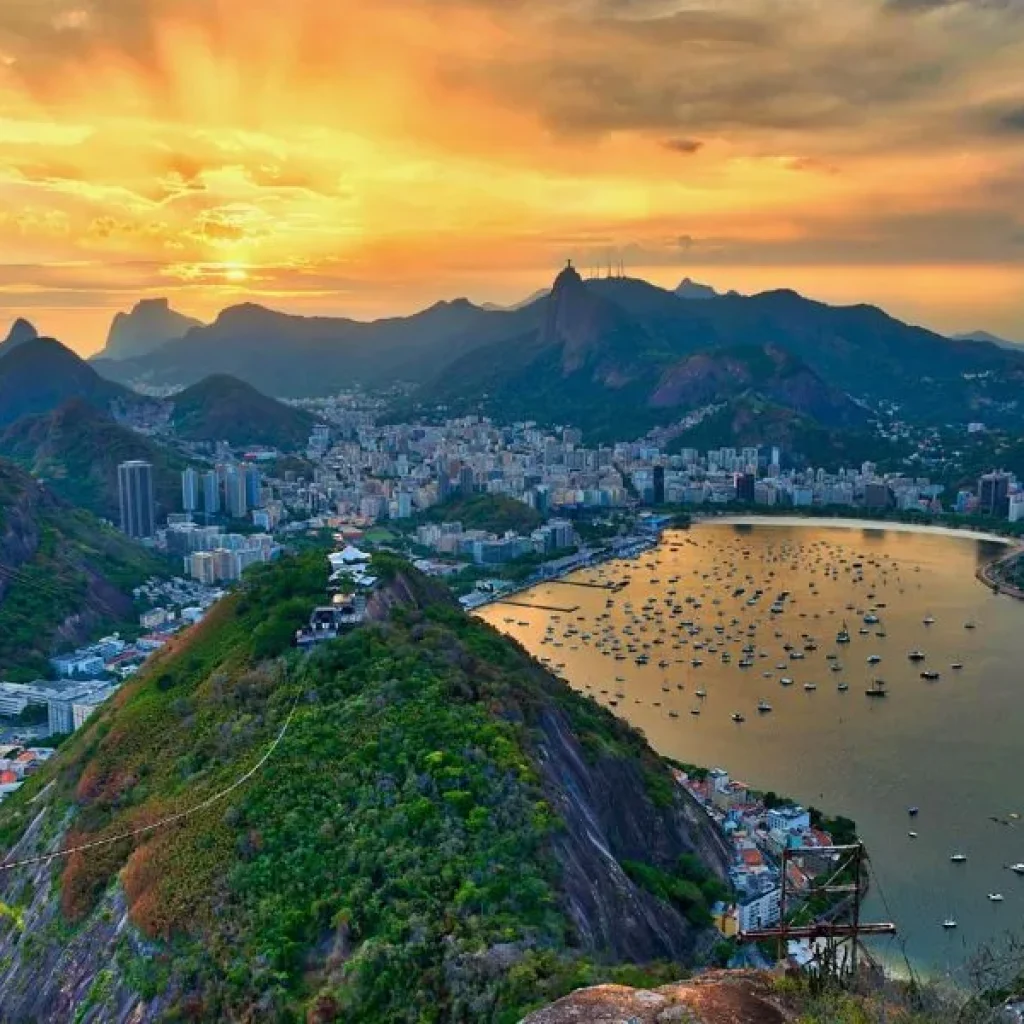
point(786, 681)
point(916, 656)
point(958, 858)
point(737, 717)
point(810, 686)
point(929, 620)
point(877, 689)
point(913, 811)
point(874, 659)
point(763, 706)
point(843, 687)
point(1017, 869)
point(930, 674)
point(701, 694)
point(957, 665)
point(970, 624)
point(694, 711)
point(673, 714)
point(949, 923)
point(913, 835)
point(871, 619)
point(995, 897)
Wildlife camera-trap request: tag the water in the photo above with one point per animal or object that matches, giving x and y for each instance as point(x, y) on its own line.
point(953, 747)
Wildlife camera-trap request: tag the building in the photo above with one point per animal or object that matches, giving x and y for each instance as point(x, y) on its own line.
point(789, 819)
point(135, 491)
point(253, 487)
point(994, 494)
point(745, 484)
point(760, 909)
point(877, 494)
point(659, 485)
point(235, 493)
point(190, 490)
point(211, 493)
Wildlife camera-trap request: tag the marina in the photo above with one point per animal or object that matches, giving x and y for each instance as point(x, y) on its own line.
point(697, 630)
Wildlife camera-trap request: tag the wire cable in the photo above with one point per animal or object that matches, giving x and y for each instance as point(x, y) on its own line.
point(163, 822)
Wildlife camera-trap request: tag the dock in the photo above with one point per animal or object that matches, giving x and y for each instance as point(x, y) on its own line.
point(539, 607)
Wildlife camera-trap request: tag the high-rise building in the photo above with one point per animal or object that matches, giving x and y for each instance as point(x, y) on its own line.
point(253, 487)
point(994, 494)
point(135, 490)
point(467, 480)
point(190, 490)
point(659, 485)
point(211, 493)
point(235, 493)
point(745, 488)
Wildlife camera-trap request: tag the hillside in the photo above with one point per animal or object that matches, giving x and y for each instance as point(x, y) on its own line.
point(439, 836)
point(150, 324)
point(63, 575)
point(493, 512)
point(41, 374)
point(223, 408)
point(76, 449)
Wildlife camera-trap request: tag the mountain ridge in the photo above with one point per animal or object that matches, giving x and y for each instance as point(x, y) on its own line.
point(150, 324)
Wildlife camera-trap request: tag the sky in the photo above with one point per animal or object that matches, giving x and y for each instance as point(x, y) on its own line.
point(369, 157)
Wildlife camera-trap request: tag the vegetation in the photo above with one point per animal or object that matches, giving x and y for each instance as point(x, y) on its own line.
point(76, 450)
point(690, 887)
point(77, 567)
point(373, 886)
point(495, 513)
point(223, 408)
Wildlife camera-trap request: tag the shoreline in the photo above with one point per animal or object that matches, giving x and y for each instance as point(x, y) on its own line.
point(842, 523)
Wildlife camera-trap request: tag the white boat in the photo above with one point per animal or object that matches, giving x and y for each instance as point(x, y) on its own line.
point(949, 923)
point(995, 897)
point(1017, 869)
point(810, 686)
point(874, 659)
point(929, 620)
point(913, 835)
point(958, 858)
point(763, 706)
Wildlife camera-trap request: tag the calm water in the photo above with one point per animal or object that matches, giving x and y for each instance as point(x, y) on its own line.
point(953, 747)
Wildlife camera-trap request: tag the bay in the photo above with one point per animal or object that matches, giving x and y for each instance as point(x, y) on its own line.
point(953, 747)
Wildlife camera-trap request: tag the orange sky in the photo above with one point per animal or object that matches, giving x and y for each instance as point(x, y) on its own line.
point(369, 158)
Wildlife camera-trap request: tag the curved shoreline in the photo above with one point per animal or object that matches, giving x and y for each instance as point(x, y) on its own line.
point(855, 524)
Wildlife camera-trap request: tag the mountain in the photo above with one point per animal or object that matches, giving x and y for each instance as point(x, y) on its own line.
point(150, 324)
point(295, 357)
point(618, 357)
point(223, 408)
point(63, 575)
point(20, 332)
point(76, 450)
point(541, 293)
point(41, 374)
point(990, 339)
point(689, 289)
point(429, 826)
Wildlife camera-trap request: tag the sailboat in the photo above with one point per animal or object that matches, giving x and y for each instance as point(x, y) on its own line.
point(877, 689)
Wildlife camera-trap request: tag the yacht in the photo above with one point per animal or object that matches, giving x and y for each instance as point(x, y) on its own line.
point(694, 711)
point(763, 706)
point(995, 897)
point(701, 694)
point(956, 666)
point(786, 681)
point(874, 659)
point(913, 835)
point(929, 620)
point(930, 674)
point(877, 689)
point(949, 923)
point(958, 858)
point(843, 687)
point(737, 717)
point(970, 624)
point(1017, 869)
point(810, 687)
point(916, 656)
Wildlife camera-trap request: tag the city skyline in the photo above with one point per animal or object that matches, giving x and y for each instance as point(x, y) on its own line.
point(366, 162)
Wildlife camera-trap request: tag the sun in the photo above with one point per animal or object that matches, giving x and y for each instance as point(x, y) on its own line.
point(235, 272)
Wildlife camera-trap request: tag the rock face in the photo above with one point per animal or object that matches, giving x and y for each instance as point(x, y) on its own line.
point(689, 289)
point(719, 997)
point(149, 325)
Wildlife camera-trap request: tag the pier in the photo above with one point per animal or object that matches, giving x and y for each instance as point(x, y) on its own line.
point(582, 583)
point(539, 607)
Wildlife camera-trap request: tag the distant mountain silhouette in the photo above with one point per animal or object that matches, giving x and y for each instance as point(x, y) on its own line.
point(150, 324)
point(223, 408)
point(990, 339)
point(41, 374)
point(596, 353)
point(21, 331)
point(689, 289)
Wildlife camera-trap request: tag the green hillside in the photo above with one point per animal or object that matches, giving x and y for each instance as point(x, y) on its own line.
point(493, 512)
point(222, 408)
point(419, 848)
point(76, 450)
point(63, 575)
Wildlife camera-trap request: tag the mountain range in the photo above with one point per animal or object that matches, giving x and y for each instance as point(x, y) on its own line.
point(616, 356)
